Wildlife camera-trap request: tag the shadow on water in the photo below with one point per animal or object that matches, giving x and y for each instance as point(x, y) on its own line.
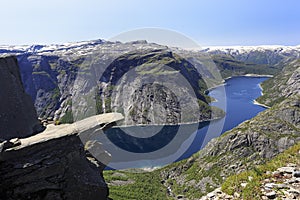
point(165, 134)
point(184, 139)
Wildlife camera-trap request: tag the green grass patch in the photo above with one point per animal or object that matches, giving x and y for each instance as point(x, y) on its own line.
point(146, 186)
point(252, 190)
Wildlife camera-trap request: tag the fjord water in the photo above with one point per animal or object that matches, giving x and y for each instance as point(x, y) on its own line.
point(240, 95)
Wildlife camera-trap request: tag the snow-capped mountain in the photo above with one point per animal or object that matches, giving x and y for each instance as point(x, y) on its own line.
point(49, 71)
point(265, 54)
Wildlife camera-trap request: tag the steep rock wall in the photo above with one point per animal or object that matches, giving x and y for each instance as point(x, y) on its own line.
point(17, 113)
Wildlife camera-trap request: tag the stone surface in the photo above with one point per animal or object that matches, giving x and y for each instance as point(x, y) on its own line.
point(296, 173)
point(17, 114)
point(271, 195)
point(55, 165)
point(288, 170)
point(283, 186)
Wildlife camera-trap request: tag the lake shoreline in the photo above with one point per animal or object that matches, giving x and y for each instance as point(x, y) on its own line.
point(210, 89)
point(260, 104)
point(236, 76)
point(236, 114)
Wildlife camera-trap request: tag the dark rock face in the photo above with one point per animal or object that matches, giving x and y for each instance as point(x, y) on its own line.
point(17, 113)
point(55, 169)
point(50, 165)
point(54, 78)
point(47, 79)
point(150, 96)
point(154, 87)
point(50, 78)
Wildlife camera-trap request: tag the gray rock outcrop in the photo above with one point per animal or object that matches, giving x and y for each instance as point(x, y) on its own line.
point(56, 164)
point(17, 114)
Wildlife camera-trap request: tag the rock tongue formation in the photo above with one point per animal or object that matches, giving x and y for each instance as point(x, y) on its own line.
point(56, 164)
point(17, 114)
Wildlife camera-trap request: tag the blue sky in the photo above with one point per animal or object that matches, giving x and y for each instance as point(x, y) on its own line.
point(209, 22)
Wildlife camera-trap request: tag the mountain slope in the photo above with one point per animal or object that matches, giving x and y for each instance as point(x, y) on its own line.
point(250, 144)
point(275, 179)
point(53, 74)
point(281, 86)
point(49, 72)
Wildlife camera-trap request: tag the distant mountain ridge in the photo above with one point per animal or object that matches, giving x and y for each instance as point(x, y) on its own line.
point(262, 54)
point(49, 71)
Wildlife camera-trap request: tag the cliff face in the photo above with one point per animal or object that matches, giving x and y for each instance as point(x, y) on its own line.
point(17, 114)
point(51, 79)
point(154, 87)
point(49, 72)
point(58, 163)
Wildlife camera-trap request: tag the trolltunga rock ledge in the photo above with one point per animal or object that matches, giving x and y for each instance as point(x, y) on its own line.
point(55, 164)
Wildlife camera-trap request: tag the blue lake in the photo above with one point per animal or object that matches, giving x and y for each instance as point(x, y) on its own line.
point(240, 95)
point(173, 143)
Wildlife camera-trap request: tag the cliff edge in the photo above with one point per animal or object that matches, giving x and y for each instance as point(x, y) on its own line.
point(18, 117)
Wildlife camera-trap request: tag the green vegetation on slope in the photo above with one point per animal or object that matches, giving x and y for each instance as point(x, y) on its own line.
point(228, 66)
point(244, 148)
point(258, 173)
point(130, 185)
point(250, 144)
point(273, 88)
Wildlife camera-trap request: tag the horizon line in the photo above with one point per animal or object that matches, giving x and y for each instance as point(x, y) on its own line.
point(105, 40)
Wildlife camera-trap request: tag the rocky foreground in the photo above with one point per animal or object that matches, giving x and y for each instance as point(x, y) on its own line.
point(283, 183)
point(55, 164)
